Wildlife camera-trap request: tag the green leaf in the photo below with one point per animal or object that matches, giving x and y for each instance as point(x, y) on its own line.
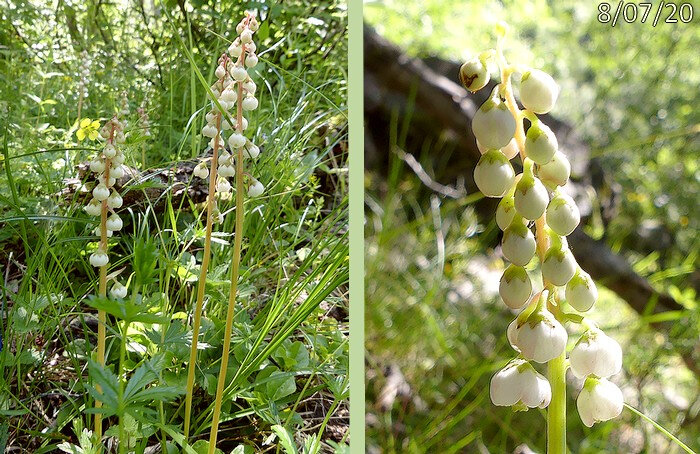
point(285, 438)
point(280, 384)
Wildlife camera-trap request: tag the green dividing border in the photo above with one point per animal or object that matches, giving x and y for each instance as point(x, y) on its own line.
point(357, 246)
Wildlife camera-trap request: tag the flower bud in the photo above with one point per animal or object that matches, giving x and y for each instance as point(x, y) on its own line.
point(109, 151)
point(518, 382)
point(116, 172)
point(246, 36)
point(201, 170)
point(596, 354)
point(114, 223)
point(538, 91)
point(250, 103)
point(249, 86)
point(518, 243)
point(581, 292)
point(209, 131)
point(94, 208)
point(100, 192)
point(97, 165)
point(119, 158)
point(99, 259)
point(229, 95)
point(540, 337)
point(239, 73)
point(235, 50)
point(493, 124)
point(559, 265)
point(562, 214)
point(531, 197)
point(220, 72)
point(107, 182)
point(98, 232)
point(115, 200)
point(236, 140)
point(557, 171)
point(255, 189)
point(494, 174)
point(474, 75)
point(515, 287)
point(251, 60)
point(540, 143)
point(118, 290)
point(505, 212)
point(599, 400)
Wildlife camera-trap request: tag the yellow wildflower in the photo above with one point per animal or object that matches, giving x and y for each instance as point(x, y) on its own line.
point(88, 128)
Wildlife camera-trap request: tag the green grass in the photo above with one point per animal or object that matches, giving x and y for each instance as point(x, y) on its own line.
point(287, 372)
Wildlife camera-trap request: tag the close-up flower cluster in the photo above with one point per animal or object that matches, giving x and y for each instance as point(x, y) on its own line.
point(536, 215)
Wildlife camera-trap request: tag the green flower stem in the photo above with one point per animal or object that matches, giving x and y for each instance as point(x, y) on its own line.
point(235, 267)
point(102, 292)
point(202, 280)
point(556, 412)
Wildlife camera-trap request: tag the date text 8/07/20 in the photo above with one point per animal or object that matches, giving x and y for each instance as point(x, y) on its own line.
point(630, 12)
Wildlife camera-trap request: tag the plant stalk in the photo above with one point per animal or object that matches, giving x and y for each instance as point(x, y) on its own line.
point(202, 280)
point(556, 412)
point(102, 292)
point(235, 267)
point(122, 379)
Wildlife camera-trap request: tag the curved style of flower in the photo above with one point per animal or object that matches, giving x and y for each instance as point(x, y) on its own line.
point(536, 198)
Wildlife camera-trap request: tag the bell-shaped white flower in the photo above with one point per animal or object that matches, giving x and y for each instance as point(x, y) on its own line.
point(505, 212)
point(114, 223)
point(97, 165)
point(209, 131)
point(559, 265)
point(201, 170)
point(236, 140)
point(116, 172)
point(220, 72)
point(115, 200)
point(109, 151)
point(118, 290)
point(599, 400)
point(250, 103)
point(540, 337)
point(540, 143)
point(518, 244)
point(493, 124)
point(538, 91)
point(246, 36)
point(249, 86)
point(251, 150)
point(562, 214)
point(119, 158)
point(223, 186)
point(557, 171)
point(100, 192)
point(226, 170)
point(581, 291)
point(494, 174)
point(474, 74)
point(531, 197)
point(519, 384)
point(239, 73)
point(251, 60)
point(235, 50)
point(256, 188)
point(515, 287)
point(93, 208)
point(596, 354)
point(99, 258)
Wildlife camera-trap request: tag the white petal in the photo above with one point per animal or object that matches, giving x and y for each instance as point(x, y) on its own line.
point(505, 387)
point(585, 408)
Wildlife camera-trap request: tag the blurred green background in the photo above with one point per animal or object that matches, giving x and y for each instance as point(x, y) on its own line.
point(435, 326)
